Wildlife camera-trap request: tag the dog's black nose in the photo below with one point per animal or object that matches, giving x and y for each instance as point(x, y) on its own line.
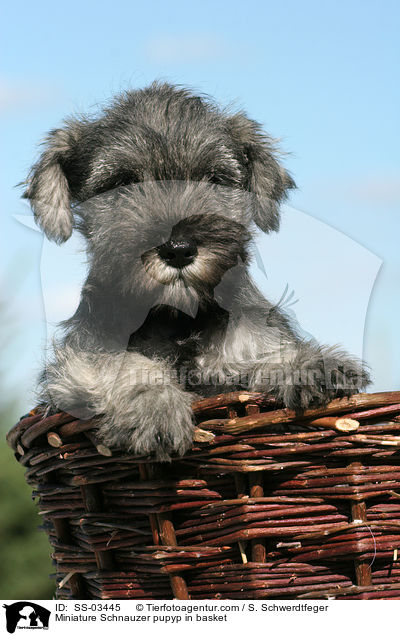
point(178, 252)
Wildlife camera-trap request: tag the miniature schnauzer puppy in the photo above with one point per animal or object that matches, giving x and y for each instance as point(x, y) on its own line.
point(167, 189)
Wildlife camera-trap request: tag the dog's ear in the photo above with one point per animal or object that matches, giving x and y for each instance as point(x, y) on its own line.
point(266, 178)
point(47, 184)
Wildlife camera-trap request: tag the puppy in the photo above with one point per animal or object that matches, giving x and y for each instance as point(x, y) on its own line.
point(167, 189)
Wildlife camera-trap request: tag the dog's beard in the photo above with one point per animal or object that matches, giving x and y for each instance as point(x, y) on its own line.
point(180, 296)
point(184, 288)
point(202, 275)
point(187, 287)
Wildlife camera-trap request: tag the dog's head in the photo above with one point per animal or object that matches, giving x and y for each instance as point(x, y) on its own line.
point(163, 185)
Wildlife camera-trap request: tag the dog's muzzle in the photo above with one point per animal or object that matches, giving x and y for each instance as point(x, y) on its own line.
point(178, 252)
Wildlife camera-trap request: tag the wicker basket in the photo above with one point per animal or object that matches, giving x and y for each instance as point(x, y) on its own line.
point(265, 505)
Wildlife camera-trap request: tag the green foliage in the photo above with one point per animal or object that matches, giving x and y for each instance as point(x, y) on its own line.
point(24, 550)
point(25, 561)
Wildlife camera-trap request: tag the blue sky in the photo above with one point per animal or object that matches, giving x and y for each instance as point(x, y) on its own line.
point(322, 76)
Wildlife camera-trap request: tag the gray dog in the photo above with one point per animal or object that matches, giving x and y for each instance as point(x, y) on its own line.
point(166, 189)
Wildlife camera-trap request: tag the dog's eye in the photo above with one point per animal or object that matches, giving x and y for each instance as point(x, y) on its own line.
point(118, 180)
point(215, 178)
point(125, 178)
point(224, 177)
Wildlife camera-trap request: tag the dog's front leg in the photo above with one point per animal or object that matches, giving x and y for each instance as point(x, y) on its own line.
point(140, 404)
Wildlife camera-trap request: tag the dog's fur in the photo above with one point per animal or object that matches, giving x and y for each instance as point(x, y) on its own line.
point(161, 164)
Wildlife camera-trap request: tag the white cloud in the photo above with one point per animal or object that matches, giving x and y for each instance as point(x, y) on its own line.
point(22, 94)
point(371, 189)
point(376, 189)
point(185, 48)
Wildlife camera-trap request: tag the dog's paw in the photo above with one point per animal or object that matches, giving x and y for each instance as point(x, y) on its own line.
point(315, 377)
point(157, 421)
point(335, 377)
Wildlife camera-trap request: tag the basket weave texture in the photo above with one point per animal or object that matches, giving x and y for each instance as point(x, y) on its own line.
point(266, 504)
